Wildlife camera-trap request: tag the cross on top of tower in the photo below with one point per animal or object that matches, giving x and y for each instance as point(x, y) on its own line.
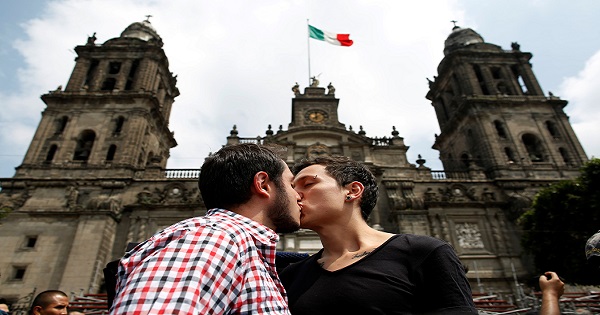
point(148, 17)
point(454, 22)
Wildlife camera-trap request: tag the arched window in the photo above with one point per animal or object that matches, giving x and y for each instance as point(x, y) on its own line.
point(509, 155)
point(564, 154)
point(551, 126)
point(119, 125)
point(51, 153)
point(465, 159)
point(517, 75)
point(109, 84)
point(85, 142)
point(114, 67)
point(91, 72)
point(533, 147)
point(500, 129)
point(132, 72)
point(61, 125)
point(480, 79)
point(110, 155)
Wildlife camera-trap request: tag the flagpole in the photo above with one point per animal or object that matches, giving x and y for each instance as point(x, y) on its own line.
point(308, 42)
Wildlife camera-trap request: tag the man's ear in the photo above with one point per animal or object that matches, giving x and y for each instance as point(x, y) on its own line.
point(37, 310)
point(260, 184)
point(355, 190)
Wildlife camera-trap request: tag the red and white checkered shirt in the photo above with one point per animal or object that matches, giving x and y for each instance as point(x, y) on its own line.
point(222, 263)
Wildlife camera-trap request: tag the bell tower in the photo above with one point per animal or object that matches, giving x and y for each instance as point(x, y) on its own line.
point(494, 116)
point(113, 115)
point(101, 144)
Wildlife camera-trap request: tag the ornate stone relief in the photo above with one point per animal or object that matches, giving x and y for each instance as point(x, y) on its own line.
point(175, 193)
point(402, 196)
point(316, 150)
point(469, 236)
point(14, 201)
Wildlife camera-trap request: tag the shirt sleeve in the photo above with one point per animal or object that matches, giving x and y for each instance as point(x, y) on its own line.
point(444, 278)
point(196, 274)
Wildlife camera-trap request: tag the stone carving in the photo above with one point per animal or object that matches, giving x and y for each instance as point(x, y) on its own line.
point(91, 39)
point(103, 202)
point(431, 195)
point(397, 202)
point(471, 194)
point(71, 196)
point(518, 203)
point(296, 89)
point(13, 201)
point(458, 193)
point(317, 149)
point(172, 194)
point(402, 196)
point(488, 195)
point(469, 236)
point(146, 197)
point(445, 229)
point(315, 82)
point(331, 89)
point(497, 233)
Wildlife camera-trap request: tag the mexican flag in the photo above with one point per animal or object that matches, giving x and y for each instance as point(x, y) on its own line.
point(332, 38)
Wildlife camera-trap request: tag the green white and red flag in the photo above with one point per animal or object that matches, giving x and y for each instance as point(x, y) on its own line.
point(332, 38)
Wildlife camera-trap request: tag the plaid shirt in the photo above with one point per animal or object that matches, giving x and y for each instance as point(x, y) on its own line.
point(222, 263)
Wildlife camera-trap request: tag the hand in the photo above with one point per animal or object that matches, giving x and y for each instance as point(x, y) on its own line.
point(550, 284)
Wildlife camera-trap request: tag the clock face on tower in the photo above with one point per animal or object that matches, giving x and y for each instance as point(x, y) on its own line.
point(316, 116)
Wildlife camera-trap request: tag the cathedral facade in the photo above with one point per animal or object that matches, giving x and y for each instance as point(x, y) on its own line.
point(94, 177)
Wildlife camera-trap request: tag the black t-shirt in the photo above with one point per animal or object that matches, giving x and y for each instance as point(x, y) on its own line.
point(408, 274)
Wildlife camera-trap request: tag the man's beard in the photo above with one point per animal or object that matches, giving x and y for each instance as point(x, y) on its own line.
point(279, 213)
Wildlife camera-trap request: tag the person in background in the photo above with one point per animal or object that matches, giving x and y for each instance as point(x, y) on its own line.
point(223, 262)
point(361, 270)
point(51, 302)
point(4, 310)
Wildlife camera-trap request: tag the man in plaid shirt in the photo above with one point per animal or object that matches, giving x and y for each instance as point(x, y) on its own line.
point(224, 262)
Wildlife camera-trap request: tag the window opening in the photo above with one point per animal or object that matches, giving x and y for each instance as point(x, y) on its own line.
point(51, 153)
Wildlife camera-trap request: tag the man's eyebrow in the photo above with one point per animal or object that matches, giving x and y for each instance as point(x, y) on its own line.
point(304, 177)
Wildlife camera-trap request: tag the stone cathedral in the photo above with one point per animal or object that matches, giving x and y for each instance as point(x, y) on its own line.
point(94, 177)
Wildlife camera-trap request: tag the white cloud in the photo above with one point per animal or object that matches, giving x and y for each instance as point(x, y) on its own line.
point(583, 95)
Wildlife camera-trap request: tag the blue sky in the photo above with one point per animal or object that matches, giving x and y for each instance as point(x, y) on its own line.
point(237, 60)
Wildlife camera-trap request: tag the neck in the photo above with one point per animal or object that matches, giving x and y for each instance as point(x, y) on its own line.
point(353, 237)
point(254, 211)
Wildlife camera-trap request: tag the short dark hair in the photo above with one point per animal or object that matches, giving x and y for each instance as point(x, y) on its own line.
point(45, 298)
point(226, 176)
point(345, 171)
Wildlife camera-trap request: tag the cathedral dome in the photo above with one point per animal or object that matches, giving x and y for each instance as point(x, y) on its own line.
point(142, 30)
point(461, 37)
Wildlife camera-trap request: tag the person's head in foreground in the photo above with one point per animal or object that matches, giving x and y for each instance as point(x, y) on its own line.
point(341, 181)
point(238, 174)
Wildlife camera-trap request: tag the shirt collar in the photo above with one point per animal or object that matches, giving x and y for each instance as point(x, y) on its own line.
point(259, 231)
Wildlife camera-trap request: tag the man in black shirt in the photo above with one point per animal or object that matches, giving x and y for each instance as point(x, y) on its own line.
point(361, 270)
